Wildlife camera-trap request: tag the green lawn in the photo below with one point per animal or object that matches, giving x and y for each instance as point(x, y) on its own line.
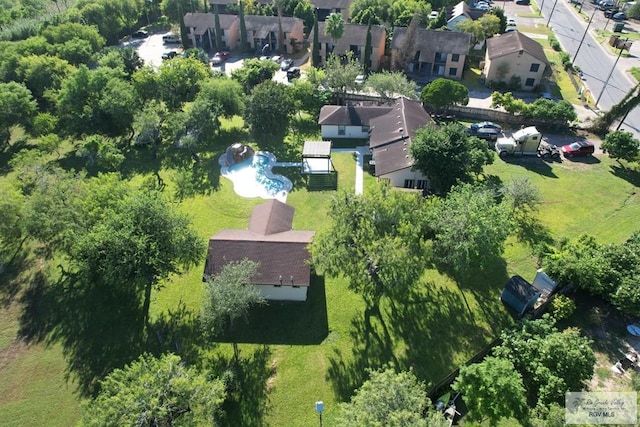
point(298, 353)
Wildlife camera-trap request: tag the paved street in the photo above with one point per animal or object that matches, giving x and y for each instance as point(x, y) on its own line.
point(596, 62)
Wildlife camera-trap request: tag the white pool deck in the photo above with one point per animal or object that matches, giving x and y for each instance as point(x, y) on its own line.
point(245, 183)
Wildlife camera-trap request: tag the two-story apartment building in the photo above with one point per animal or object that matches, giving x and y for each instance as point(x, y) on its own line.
point(354, 39)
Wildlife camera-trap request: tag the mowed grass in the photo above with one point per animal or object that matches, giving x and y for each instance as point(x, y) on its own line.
point(319, 350)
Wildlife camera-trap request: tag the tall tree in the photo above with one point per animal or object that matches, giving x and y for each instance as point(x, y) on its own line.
point(367, 50)
point(621, 145)
point(470, 229)
point(492, 390)
point(442, 93)
point(218, 28)
point(375, 240)
point(404, 53)
point(230, 295)
point(17, 107)
point(269, 109)
point(243, 28)
point(341, 74)
point(390, 399)
point(156, 392)
point(390, 85)
point(448, 155)
point(334, 27)
point(315, 49)
point(254, 72)
point(551, 362)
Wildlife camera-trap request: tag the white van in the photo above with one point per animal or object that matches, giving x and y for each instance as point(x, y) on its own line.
point(170, 38)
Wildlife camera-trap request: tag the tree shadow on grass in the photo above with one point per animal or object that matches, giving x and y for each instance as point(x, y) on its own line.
point(532, 164)
point(292, 323)
point(631, 175)
point(99, 327)
point(247, 384)
point(530, 231)
point(13, 273)
point(372, 348)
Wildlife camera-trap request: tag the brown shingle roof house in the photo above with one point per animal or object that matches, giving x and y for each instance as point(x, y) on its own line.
point(285, 272)
point(515, 55)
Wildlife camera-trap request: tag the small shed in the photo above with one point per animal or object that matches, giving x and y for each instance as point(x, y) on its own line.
point(317, 165)
point(519, 295)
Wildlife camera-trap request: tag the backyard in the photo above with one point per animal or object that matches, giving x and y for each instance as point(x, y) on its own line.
point(295, 354)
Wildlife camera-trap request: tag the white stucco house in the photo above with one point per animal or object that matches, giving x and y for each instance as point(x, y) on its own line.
point(389, 129)
point(284, 272)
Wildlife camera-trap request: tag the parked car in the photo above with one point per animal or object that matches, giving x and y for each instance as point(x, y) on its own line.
point(170, 54)
point(483, 6)
point(488, 134)
point(474, 127)
point(578, 148)
point(360, 78)
point(293, 73)
point(620, 16)
point(434, 15)
point(523, 2)
point(546, 95)
point(511, 22)
point(286, 64)
point(277, 59)
point(219, 57)
point(171, 38)
point(610, 12)
point(140, 34)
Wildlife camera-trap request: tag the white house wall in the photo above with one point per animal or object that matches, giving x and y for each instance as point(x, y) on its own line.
point(398, 178)
point(283, 293)
point(331, 131)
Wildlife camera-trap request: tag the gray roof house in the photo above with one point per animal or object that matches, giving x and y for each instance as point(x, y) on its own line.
point(284, 272)
point(327, 7)
point(432, 53)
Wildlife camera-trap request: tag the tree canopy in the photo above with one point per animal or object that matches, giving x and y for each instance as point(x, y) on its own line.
point(269, 109)
point(621, 145)
point(387, 398)
point(391, 85)
point(442, 93)
point(492, 389)
point(17, 107)
point(153, 391)
point(448, 155)
point(375, 240)
point(341, 74)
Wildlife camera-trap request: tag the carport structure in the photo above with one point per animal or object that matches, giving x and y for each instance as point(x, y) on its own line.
point(317, 165)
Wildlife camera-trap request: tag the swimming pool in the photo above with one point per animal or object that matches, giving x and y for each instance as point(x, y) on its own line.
point(253, 177)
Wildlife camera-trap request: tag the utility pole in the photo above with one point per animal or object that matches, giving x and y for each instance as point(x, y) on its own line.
point(541, 7)
point(611, 73)
point(551, 14)
point(595, 9)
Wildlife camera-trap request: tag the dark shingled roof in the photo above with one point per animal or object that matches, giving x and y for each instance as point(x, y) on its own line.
point(391, 135)
point(514, 42)
point(270, 241)
point(519, 294)
point(332, 4)
point(430, 41)
point(350, 115)
point(203, 21)
point(353, 35)
point(263, 25)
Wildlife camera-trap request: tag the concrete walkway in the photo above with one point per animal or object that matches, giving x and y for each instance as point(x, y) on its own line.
point(360, 153)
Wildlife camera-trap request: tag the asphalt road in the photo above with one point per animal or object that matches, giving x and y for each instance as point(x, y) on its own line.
point(596, 63)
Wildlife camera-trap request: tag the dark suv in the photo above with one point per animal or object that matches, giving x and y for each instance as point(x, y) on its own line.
point(293, 73)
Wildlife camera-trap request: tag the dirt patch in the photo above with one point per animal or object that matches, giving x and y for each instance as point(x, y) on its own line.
point(11, 353)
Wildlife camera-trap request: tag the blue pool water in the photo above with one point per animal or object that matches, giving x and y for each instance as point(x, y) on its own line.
point(254, 178)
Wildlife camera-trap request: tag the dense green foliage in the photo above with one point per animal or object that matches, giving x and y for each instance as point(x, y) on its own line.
point(388, 398)
point(230, 295)
point(269, 109)
point(253, 72)
point(17, 107)
point(375, 241)
point(621, 145)
point(442, 93)
point(391, 13)
point(390, 85)
point(610, 271)
point(492, 390)
point(551, 362)
point(341, 74)
point(541, 109)
point(448, 155)
point(155, 392)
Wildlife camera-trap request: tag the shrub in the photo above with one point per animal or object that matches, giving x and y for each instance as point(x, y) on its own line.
point(634, 11)
point(562, 307)
point(555, 44)
point(566, 60)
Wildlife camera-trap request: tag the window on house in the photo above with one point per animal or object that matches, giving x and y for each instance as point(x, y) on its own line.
point(455, 57)
point(453, 71)
point(277, 286)
point(530, 82)
point(365, 129)
point(421, 184)
point(534, 68)
point(342, 130)
point(295, 286)
point(409, 183)
point(222, 32)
